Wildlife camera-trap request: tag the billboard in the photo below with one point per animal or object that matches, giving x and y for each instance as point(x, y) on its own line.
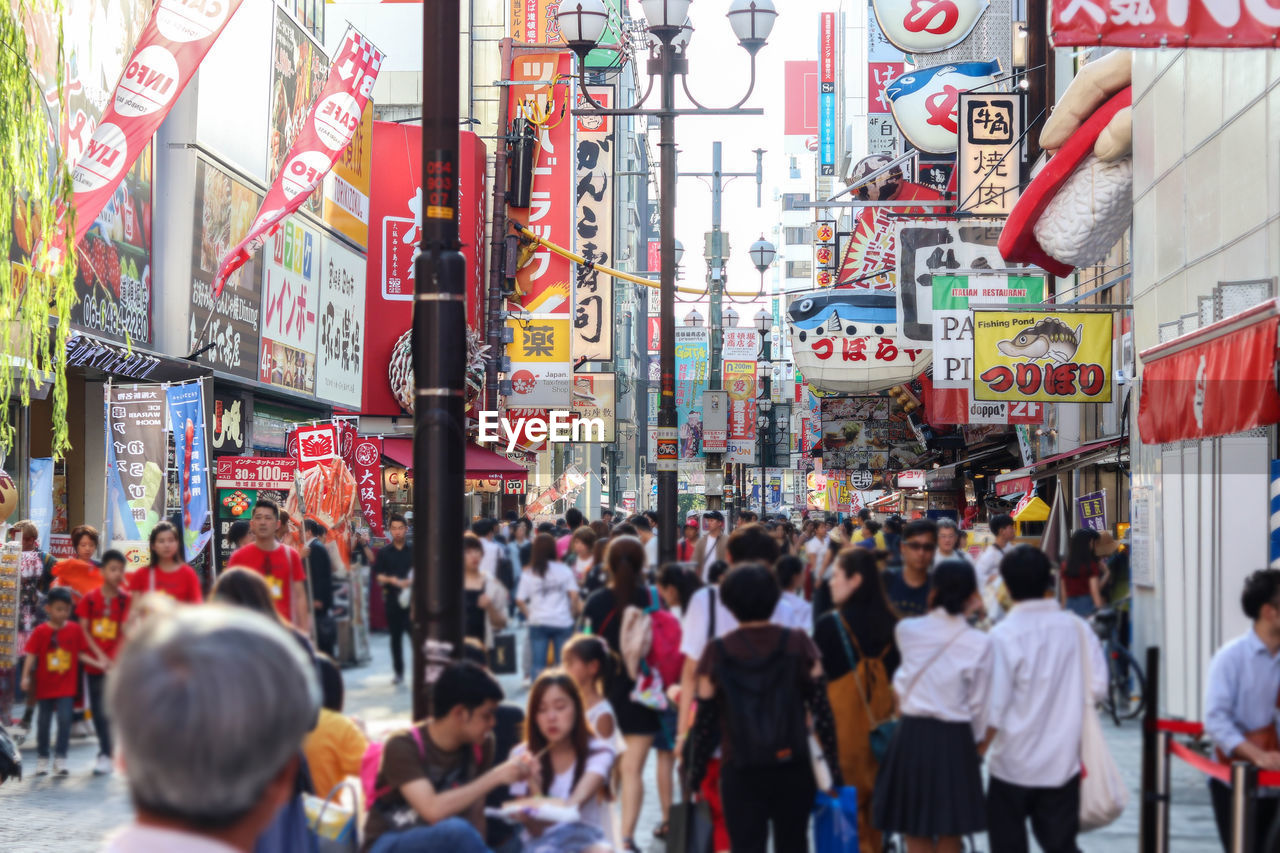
point(593, 236)
point(1047, 357)
point(346, 187)
point(341, 325)
point(299, 68)
point(290, 301)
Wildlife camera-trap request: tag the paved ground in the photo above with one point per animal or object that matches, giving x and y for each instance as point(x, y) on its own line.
point(74, 813)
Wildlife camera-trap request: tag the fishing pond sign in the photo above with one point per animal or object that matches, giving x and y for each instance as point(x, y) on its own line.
point(1050, 357)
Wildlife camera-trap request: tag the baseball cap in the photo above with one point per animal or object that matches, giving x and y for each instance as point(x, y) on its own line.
point(714, 515)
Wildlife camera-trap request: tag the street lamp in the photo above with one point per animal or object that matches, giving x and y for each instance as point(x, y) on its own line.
point(730, 318)
point(693, 318)
point(764, 325)
point(752, 21)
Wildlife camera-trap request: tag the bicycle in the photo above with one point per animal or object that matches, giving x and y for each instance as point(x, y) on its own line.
point(1126, 685)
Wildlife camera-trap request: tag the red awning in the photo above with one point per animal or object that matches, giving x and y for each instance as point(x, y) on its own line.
point(1019, 480)
point(1214, 381)
point(482, 464)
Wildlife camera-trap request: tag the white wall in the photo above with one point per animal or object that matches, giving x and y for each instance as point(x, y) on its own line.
point(233, 111)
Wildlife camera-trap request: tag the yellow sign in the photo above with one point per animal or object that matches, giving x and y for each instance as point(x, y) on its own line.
point(1049, 357)
point(346, 188)
point(540, 339)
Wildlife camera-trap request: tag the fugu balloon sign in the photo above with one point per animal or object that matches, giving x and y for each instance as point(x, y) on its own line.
point(927, 26)
point(925, 103)
point(847, 342)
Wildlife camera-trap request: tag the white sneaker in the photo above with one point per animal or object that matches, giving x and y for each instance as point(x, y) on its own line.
point(81, 729)
point(59, 767)
point(103, 766)
point(42, 767)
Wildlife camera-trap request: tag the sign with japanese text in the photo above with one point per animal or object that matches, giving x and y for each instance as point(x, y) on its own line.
point(290, 298)
point(534, 22)
point(740, 383)
point(879, 75)
point(1092, 509)
point(346, 188)
point(332, 121)
point(595, 396)
point(715, 421)
point(882, 135)
point(186, 423)
point(927, 26)
point(593, 231)
point(654, 333)
point(473, 206)
point(827, 93)
point(170, 48)
point(241, 481)
point(846, 341)
point(368, 473)
point(137, 449)
point(540, 367)
point(870, 255)
point(692, 344)
point(953, 333)
point(1042, 356)
point(925, 102)
point(989, 159)
point(227, 435)
point(1161, 23)
point(341, 326)
point(868, 433)
point(316, 444)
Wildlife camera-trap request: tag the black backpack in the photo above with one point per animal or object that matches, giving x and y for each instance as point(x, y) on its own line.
point(761, 709)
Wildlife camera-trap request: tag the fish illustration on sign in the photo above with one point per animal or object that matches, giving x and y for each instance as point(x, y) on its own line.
point(925, 102)
point(1050, 339)
point(843, 310)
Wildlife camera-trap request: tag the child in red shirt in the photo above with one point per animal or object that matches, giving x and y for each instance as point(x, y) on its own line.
point(103, 613)
point(167, 573)
point(54, 651)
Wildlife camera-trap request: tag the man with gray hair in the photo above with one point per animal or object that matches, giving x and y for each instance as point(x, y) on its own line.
point(212, 705)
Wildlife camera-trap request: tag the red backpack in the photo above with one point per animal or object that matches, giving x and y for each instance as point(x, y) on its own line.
point(664, 655)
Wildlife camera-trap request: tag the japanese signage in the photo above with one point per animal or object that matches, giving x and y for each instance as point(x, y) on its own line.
point(299, 69)
point(137, 448)
point(691, 345)
point(989, 158)
point(654, 333)
point(346, 187)
point(367, 457)
point(341, 335)
point(10, 603)
point(241, 480)
point(846, 341)
point(329, 126)
point(715, 421)
point(882, 135)
point(227, 436)
point(224, 209)
point(113, 278)
point(315, 444)
point(879, 75)
point(534, 22)
point(540, 366)
point(925, 102)
point(164, 58)
point(1046, 357)
point(870, 254)
point(1092, 510)
point(827, 93)
point(927, 26)
point(186, 423)
point(593, 232)
point(290, 297)
point(595, 396)
point(472, 211)
point(870, 434)
point(544, 283)
point(953, 336)
point(1160, 23)
point(927, 249)
point(740, 350)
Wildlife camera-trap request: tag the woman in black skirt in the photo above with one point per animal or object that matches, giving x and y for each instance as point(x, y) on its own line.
point(930, 785)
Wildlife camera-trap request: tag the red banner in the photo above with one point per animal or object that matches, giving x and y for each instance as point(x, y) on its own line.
point(255, 472)
point(1165, 23)
point(471, 216)
point(169, 50)
point(315, 444)
point(367, 467)
point(347, 442)
point(333, 120)
point(1221, 384)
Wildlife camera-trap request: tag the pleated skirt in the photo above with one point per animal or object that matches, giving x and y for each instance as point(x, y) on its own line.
point(930, 782)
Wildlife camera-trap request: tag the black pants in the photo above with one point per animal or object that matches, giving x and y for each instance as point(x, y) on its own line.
point(1266, 810)
point(48, 709)
point(98, 705)
point(1054, 813)
point(757, 798)
point(398, 625)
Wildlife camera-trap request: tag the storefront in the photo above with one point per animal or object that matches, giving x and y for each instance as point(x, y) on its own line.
point(494, 483)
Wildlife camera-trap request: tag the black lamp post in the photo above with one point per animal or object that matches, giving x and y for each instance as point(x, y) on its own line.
point(582, 22)
point(764, 325)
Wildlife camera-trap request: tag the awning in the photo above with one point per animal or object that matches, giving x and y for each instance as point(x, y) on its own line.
point(1214, 381)
point(482, 464)
point(1020, 479)
point(944, 476)
point(100, 359)
point(886, 501)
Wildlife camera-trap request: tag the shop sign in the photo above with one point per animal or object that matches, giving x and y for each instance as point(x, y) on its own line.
point(1023, 356)
point(692, 344)
point(989, 156)
point(515, 486)
point(870, 256)
point(290, 295)
point(926, 249)
point(224, 209)
point(1015, 486)
point(367, 468)
point(473, 206)
point(534, 22)
point(925, 102)
point(541, 371)
point(953, 329)
point(872, 433)
point(227, 436)
point(913, 479)
point(316, 444)
point(186, 423)
point(1092, 509)
point(655, 333)
point(882, 135)
point(827, 94)
point(595, 398)
point(340, 345)
point(346, 187)
point(927, 26)
point(846, 341)
point(879, 75)
point(241, 481)
point(1164, 23)
point(136, 445)
point(593, 231)
point(84, 351)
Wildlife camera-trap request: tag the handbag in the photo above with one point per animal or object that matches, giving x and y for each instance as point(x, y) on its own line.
point(1103, 795)
point(502, 657)
point(835, 822)
point(333, 823)
point(689, 828)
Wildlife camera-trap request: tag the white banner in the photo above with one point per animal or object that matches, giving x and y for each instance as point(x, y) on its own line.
point(341, 326)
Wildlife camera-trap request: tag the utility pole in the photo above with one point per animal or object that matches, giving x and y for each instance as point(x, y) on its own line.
point(439, 365)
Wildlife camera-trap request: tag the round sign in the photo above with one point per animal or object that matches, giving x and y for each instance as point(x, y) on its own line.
point(337, 118)
point(303, 173)
point(103, 161)
point(366, 454)
point(150, 82)
point(185, 21)
point(927, 26)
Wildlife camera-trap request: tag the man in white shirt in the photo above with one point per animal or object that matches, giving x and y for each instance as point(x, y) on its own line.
point(1036, 711)
point(484, 530)
point(711, 546)
point(987, 567)
point(644, 531)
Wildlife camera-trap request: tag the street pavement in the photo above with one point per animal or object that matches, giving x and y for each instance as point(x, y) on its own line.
point(77, 812)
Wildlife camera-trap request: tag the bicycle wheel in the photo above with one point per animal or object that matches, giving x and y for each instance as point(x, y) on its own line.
point(1127, 688)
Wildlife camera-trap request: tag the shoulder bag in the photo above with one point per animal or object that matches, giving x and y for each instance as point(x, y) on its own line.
point(1103, 795)
point(881, 730)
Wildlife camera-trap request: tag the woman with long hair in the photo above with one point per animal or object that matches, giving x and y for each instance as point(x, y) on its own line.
point(860, 657)
point(625, 560)
point(676, 585)
point(1081, 587)
point(548, 597)
point(166, 572)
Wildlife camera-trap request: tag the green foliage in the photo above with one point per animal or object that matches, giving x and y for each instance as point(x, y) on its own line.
point(687, 502)
point(38, 290)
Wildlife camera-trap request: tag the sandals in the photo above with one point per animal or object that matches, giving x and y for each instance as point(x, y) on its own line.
point(629, 846)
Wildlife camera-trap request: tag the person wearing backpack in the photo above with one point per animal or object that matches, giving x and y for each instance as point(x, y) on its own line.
point(755, 685)
point(859, 656)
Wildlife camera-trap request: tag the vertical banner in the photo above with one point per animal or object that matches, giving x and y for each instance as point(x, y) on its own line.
point(316, 444)
point(341, 326)
point(1092, 510)
point(167, 54)
point(740, 349)
point(691, 344)
point(827, 94)
point(593, 231)
point(989, 159)
point(41, 497)
point(473, 206)
point(186, 422)
point(137, 449)
point(290, 295)
point(368, 473)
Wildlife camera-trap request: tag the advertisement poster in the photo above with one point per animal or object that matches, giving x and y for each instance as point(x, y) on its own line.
point(1021, 356)
point(186, 423)
point(540, 367)
point(868, 434)
point(113, 279)
point(346, 187)
point(241, 480)
point(595, 396)
point(691, 346)
point(227, 436)
point(290, 296)
point(593, 231)
point(137, 449)
point(953, 330)
point(224, 209)
point(299, 70)
point(368, 473)
point(41, 497)
point(340, 342)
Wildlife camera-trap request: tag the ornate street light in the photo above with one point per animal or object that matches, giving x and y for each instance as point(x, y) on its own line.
point(762, 253)
point(582, 23)
point(693, 318)
point(730, 318)
point(752, 21)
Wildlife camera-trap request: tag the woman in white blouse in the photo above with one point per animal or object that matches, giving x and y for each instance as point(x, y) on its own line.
point(547, 595)
point(930, 784)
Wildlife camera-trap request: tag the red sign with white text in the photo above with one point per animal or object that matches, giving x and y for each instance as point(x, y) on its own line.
point(1165, 23)
point(333, 120)
point(316, 444)
point(255, 472)
point(827, 62)
point(172, 46)
point(879, 75)
point(367, 468)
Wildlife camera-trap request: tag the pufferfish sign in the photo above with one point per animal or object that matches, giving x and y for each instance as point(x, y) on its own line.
point(925, 102)
point(846, 341)
point(1046, 357)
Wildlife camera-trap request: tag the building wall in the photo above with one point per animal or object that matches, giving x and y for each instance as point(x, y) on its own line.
point(1206, 210)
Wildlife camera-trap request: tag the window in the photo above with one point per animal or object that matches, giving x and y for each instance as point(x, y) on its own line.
point(791, 200)
point(799, 269)
point(800, 236)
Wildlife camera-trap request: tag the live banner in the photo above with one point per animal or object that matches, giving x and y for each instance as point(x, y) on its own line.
point(186, 421)
point(333, 120)
point(172, 45)
point(367, 457)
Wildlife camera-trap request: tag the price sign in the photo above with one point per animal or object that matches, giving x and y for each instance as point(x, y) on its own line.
point(253, 472)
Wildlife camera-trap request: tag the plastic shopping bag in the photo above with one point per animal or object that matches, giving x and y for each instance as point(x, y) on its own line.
point(835, 822)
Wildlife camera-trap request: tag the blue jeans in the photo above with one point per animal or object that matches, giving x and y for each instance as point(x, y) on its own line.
point(44, 720)
point(1081, 605)
point(540, 638)
point(98, 704)
point(455, 835)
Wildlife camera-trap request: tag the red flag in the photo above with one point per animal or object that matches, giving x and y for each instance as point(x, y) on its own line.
point(368, 471)
point(332, 122)
point(170, 49)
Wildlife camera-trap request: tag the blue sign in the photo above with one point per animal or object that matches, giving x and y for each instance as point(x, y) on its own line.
point(827, 131)
point(42, 497)
point(186, 420)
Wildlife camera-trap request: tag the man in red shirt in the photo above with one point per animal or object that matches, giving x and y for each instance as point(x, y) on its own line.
point(103, 613)
point(54, 652)
point(279, 564)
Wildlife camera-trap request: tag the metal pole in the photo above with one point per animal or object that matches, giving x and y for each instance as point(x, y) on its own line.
point(1244, 792)
point(768, 417)
point(439, 363)
point(1162, 794)
point(1038, 56)
point(497, 247)
point(1155, 750)
point(667, 506)
point(716, 288)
